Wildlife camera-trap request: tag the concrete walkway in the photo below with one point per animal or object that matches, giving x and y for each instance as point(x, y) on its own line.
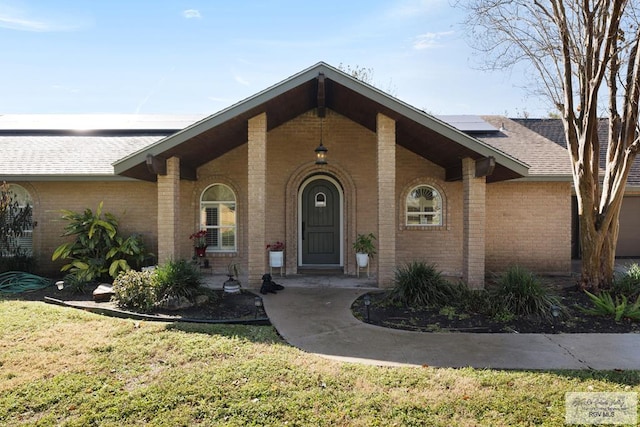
point(318, 320)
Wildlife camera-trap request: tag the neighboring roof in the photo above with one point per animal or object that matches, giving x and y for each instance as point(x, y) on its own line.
point(553, 129)
point(76, 147)
point(546, 159)
point(340, 92)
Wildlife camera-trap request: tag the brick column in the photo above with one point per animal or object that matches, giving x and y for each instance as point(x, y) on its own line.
point(169, 211)
point(386, 133)
point(473, 269)
point(257, 188)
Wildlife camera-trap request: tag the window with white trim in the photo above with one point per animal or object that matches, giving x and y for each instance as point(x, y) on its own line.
point(424, 206)
point(23, 243)
point(218, 217)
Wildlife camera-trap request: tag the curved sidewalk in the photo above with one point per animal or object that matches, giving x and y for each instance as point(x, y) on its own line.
point(318, 320)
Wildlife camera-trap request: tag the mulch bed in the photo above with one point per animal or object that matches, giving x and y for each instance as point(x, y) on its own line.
point(242, 307)
point(424, 319)
point(220, 306)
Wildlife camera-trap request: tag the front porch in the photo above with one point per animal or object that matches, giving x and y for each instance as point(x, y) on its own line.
point(260, 150)
point(316, 279)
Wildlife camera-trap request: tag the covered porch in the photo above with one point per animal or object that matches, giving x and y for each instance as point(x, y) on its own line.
point(252, 133)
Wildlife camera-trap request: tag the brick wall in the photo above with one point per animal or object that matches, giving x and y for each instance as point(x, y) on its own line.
point(229, 169)
point(351, 160)
point(529, 224)
point(169, 220)
point(386, 181)
point(526, 223)
point(133, 204)
point(441, 246)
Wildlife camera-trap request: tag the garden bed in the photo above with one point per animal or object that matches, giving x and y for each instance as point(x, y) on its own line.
point(452, 319)
point(221, 307)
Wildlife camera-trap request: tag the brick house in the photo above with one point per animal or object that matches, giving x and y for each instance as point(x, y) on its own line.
point(470, 194)
point(628, 245)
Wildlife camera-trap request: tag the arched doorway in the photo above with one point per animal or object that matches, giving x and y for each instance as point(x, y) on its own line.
point(320, 223)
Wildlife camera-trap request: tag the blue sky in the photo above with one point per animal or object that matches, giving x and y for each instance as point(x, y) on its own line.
point(200, 56)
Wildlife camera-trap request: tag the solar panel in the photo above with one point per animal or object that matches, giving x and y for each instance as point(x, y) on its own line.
point(468, 123)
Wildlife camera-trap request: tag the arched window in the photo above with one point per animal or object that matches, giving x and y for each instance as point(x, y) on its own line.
point(19, 242)
point(218, 217)
point(424, 206)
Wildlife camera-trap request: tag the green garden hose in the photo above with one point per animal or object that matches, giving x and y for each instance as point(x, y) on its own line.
point(15, 282)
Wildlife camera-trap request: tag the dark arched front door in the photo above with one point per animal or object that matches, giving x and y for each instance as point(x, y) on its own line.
point(320, 223)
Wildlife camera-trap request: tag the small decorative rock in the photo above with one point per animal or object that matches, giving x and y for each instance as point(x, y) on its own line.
point(202, 299)
point(103, 293)
point(177, 303)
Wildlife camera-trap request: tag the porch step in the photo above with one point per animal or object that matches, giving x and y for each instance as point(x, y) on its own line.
point(320, 271)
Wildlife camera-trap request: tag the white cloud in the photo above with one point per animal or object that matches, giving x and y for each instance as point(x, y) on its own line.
point(241, 80)
point(14, 23)
point(41, 20)
point(429, 40)
point(63, 88)
point(191, 14)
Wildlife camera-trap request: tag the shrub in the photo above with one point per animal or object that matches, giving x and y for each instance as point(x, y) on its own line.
point(178, 279)
point(520, 293)
point(76, 284)
point(420, 284)
point(136, 290)
point(629, 283)
point(97, 252)
point(605, 305)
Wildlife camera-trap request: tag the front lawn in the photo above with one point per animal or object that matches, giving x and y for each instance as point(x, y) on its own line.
point(60, 366)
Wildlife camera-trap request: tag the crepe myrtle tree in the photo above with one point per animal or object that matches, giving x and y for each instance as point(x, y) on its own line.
point(584, 58)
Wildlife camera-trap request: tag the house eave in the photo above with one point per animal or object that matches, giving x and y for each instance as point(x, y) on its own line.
point(205, 140)
point(545, 178)
point(64, 177)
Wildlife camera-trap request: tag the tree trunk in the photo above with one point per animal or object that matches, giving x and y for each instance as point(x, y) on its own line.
point(598, 247)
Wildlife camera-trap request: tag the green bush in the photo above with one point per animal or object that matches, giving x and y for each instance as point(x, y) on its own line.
point(97, 252)
point(520, 293)
point(420, 284)
point(629, 283)
point(605, 305)
point(178, 279)
point(76, 284)
point(136, 290)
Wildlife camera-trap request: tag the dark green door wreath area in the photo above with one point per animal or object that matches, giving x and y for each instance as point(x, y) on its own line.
point(383, 312)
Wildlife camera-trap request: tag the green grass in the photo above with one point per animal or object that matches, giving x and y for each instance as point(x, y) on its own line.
point(60, 366)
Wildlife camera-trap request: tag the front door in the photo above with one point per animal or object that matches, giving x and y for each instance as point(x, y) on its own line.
point(320, 223)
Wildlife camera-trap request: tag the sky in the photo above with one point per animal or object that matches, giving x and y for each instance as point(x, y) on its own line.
point(201, 56)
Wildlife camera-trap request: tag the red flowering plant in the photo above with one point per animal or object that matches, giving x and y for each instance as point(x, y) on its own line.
point(199, 239)
point(275, 247)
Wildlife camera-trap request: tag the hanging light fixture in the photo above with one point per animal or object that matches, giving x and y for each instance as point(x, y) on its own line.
point(321, 150)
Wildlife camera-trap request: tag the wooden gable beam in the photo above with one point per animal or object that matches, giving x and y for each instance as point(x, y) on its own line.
point(484, 167)
point(321, 96)
point(156, 165)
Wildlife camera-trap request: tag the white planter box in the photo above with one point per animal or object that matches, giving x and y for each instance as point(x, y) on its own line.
point(362, 259)
point(276, 258)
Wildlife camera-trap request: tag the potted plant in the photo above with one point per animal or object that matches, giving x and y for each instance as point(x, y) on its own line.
point(276, 254)
point(200, 242)
point(363, 245)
